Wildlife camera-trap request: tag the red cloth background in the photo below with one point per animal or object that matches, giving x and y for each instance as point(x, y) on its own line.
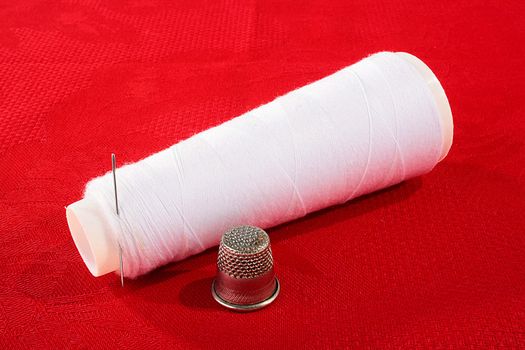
point(436, 262)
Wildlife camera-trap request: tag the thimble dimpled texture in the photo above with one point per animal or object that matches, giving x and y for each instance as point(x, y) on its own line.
point(245, 252)
point(245, 273)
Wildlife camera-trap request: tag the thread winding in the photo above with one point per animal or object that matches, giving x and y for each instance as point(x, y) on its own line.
point(365, 127)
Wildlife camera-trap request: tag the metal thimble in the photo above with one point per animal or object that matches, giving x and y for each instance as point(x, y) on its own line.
point(245, 278)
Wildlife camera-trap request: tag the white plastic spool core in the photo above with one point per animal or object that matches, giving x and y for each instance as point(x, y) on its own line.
point(92, 235)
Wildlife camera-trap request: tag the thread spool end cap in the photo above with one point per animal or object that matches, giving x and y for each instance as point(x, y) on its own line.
point(91, 238)
point(443, 106)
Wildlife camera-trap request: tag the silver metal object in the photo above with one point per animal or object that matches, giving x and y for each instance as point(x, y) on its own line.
point(121, 266)
point(114, 170)
point(245, 278)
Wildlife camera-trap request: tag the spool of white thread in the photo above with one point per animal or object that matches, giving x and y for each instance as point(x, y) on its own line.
point(95, 233)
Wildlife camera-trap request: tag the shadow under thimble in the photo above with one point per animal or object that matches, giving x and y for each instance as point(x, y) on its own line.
point(245, 278)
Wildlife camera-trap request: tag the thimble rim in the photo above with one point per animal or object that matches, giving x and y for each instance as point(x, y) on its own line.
point(249, 307)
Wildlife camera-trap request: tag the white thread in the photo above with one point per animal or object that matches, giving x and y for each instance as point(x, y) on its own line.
point(363, 128)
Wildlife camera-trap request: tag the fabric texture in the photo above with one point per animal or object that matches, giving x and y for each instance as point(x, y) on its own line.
point(435, 262)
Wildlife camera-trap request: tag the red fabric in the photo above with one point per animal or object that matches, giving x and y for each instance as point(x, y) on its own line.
point(438, 261)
